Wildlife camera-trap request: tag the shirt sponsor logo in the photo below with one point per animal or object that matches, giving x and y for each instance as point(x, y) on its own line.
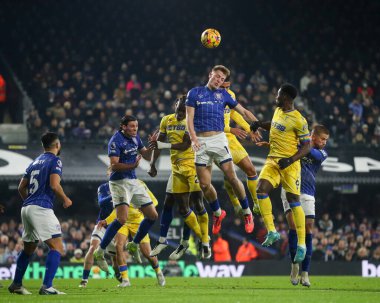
point(278, 126)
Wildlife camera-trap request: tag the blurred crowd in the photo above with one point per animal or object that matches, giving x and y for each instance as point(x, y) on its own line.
point(83, 75)
point(336, 238)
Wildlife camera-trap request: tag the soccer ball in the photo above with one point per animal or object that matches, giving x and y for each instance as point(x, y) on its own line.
point(211, 38)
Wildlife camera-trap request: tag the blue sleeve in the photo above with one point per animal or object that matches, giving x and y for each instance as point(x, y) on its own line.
point(103, 195)
point(318, 154)
point(231, 102)
point(27, 172)
point(56, 167)
point(190, 99)
point(113, 148)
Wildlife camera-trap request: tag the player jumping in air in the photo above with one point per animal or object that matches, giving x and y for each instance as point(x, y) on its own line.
point(135, 217)
point(282, 166)
point(125, 150)
point(182, 186)
point(205, 121)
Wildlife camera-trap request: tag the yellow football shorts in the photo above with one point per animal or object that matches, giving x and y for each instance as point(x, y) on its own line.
point(237, 150)
point(183, 179)
point(130, 229)
point(289, 178)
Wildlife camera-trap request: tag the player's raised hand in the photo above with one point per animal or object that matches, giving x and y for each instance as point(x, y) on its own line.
point(101, 223)
point(255, 136)
point(152, 145)
point(152, 171)
point(2, 209)
point(263, 144)
point(154, 135)
point(195, 145)
point(67, 202)
point(238, 132)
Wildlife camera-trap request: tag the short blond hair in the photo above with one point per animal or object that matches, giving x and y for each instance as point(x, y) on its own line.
point(223, 69)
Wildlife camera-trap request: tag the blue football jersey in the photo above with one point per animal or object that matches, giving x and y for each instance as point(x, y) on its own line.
point(209, 107)
point(38, 173)
point(126, 148)
point(104, 201)
point(310, 165)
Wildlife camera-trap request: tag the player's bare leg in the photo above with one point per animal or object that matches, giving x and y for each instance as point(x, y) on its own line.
point(89, 262)
point(252, 179)
point(209, 192)
point(239, 190)
point(120, 241)
point(145, 250)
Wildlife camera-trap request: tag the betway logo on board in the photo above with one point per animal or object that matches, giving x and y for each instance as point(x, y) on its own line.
point(370, 270)
point(219, 271)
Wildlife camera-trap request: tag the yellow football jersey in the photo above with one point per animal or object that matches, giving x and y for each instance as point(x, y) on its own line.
point(235, 116)
point(175, 130)
point(287, 130)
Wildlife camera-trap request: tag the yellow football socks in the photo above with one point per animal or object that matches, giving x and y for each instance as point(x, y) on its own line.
point(203, 223)
point(252, 184)
point(266, 211)
point(299, 221)
point(124, 271)
point(192, 222)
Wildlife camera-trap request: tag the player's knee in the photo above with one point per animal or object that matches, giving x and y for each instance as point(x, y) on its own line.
point(204, 186)
point(122, 220)
point(153, 216)
point(309, 227)
point(119, 247)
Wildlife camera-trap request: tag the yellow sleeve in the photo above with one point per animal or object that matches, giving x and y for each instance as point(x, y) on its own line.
point(111, 217)
point(235, 116)
point(227, 127)
point(163, 125)
point(302, 130)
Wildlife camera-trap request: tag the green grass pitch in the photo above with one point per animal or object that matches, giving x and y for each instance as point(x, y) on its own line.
point(197, 290)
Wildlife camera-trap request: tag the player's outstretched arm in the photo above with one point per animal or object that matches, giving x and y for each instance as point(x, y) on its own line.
point(146, 153)
point(55, 184)
point(190, 126)
point(23, 188)
point(247, 115)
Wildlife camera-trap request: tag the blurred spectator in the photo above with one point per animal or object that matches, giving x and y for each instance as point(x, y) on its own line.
point(325, 223)
point(78, 256)
point(221, 250)
point(246, 252)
